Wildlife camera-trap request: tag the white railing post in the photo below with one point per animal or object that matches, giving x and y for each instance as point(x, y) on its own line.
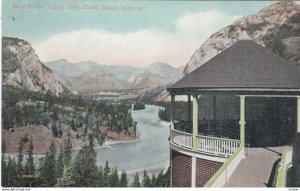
point(242, 120)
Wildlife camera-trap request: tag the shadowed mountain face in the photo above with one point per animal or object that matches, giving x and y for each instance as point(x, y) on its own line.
point(22, 68)
point(94, 76)
point(276, 27)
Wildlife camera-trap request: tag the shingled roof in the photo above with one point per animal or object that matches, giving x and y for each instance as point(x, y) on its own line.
point(243, 66)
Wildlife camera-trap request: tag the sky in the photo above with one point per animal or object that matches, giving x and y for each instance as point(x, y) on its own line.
point(135, 33)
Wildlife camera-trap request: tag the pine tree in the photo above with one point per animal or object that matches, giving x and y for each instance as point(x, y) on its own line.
point(123, 181)
point(101, 139)
point(59, 130)
point(3, 165)
point(129, 118)
point(67, 150)
point(100, 177)
point(153, 181)
point(59, 166)
point(29, 166)
point(136, 182)
point(166, 178)
point(127, 121)
point(66, 179)
point(47, 170)
point(4, 171)
point(146, 180)
point(91, 141)
point(20, 157)
point(40, 168)
point(55, 115)
point(85, 172)
point(159, 180)
point(54, 129)
point(114, 178)
point(135, 127)
point(72, 125)
point(11, 174)
point(124, 125)
point(106, 175)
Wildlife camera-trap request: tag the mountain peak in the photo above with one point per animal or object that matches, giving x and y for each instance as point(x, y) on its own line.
point(63, 60)
point(22, 68)
point(275, 27)
point(159, 64)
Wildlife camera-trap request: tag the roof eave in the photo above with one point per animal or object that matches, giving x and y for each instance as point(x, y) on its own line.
point(286, 92)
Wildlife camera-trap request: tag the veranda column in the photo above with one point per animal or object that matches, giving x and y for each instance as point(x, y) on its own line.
point(171, 137)
point(242, 121)
point(195, 133)
point(298, 114)
point(189, 108)
point(172, 111)
point(195, 122)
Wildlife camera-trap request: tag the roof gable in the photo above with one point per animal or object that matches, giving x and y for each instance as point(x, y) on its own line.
point(245, 64)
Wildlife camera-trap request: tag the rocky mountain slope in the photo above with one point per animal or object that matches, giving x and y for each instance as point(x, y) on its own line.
point(276, 27)
point(22, 68)
point(147, 80)
point(94, 76)
point(166, 71)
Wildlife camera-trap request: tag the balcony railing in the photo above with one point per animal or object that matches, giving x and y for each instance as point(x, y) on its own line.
point(217, 146)
point(182, 139)
point(205, 144)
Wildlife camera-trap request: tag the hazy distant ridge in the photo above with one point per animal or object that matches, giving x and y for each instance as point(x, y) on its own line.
point(90, 75)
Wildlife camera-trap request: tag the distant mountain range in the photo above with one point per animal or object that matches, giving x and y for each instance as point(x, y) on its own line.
point(275, 27)
point(94, 76)
point(22, 68)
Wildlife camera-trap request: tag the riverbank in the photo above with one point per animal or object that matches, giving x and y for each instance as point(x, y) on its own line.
point(153, 169)
point(108, 143)
point(42, 137)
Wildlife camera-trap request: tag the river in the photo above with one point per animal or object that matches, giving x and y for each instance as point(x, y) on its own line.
point(150, 151)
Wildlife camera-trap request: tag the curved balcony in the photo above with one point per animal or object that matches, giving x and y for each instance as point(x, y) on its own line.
point(182, 139)
point(215, 146)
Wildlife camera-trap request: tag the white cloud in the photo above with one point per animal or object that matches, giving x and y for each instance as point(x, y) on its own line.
point(203, 22)
point(138, 48)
